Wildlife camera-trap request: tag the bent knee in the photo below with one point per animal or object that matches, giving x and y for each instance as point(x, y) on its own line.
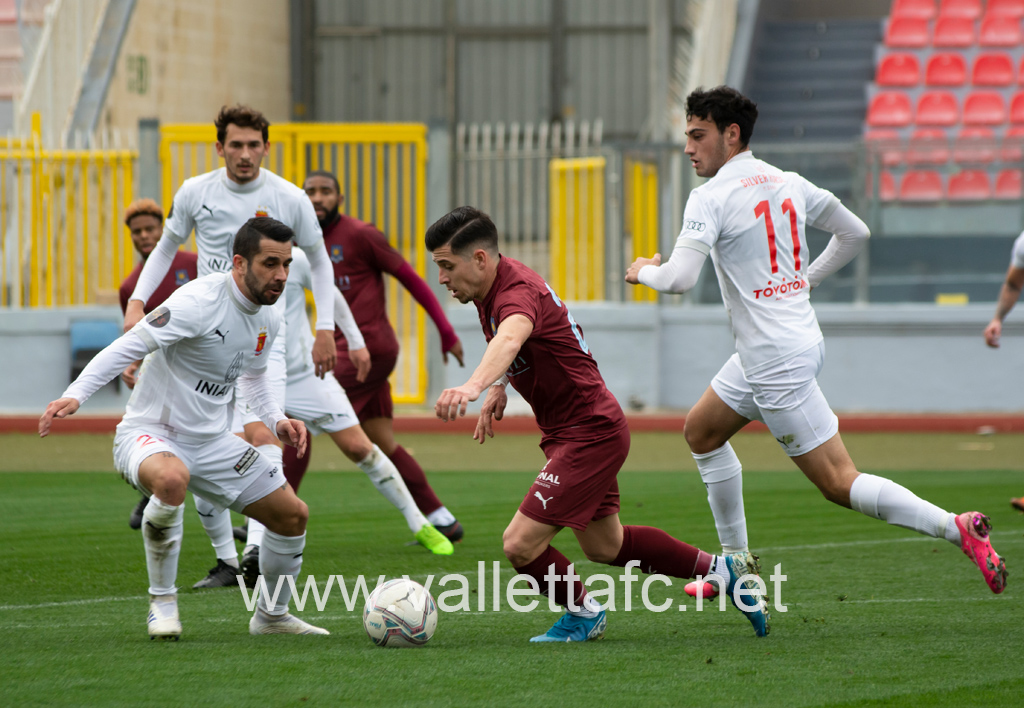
point(518, 552)
point(600, 555)
point(171, 484)
point(700, 439)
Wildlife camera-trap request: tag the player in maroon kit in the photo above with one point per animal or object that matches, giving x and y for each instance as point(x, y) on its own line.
point(534, 343)
point(145, 221)
point(360, 254)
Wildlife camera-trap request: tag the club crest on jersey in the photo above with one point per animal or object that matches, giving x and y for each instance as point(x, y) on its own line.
point(337, 255)
point(262, 211)
point(261, 342)
point(159, 317)
point(181, 277)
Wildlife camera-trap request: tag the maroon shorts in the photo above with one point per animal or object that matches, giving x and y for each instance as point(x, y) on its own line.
point(371, 398)
point(578, 484)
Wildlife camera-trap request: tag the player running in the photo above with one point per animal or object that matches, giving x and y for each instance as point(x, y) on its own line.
point(210, 334)
point(534, 343)
point(750, 216)
point(360, 255)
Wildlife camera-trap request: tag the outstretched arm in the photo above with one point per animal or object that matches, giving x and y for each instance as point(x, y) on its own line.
point(1008, 296)
point(501, 352)
point(104, 366)
point(358, 354)
point(422, 293)
point(678, 275)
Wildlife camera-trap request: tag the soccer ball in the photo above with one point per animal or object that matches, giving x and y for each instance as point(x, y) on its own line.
point(400, 613)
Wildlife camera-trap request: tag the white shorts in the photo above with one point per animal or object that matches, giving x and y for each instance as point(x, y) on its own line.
point(225, 471)
point(277, 373)
point(784, 397)
point(319, 403)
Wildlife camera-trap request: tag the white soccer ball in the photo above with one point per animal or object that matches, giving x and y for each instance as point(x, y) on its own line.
point(400, 613)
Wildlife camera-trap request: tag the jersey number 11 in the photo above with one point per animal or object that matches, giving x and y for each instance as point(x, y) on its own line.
point(762, 209)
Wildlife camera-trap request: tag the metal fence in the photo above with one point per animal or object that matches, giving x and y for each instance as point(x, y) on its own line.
point(381, 170)
point(504, 171)
point(61, 237)
point(577, 230)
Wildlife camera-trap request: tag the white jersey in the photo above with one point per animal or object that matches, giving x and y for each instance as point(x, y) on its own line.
point(752, 216)
point(299, 348)
point(216, 207)
point(1017, 256)
point(300, 336)
point(202, 338)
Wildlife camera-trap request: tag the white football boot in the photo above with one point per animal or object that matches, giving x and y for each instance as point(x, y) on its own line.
point(262, 623)
point(163, 617)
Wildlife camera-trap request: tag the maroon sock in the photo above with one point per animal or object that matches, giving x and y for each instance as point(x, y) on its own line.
point(539, 567)
point(660, 553)
point(294, 466)
point(415, 480)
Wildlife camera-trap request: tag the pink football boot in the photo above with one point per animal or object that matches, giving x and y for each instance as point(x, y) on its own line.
point(974, 529)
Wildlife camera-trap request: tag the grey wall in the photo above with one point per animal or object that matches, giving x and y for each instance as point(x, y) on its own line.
point(898, 358)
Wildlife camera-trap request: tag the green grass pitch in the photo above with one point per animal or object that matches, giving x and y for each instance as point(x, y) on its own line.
point(877, 616)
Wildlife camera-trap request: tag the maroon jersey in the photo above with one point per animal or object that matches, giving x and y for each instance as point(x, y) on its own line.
point(182, 270)
point(554, 370)
point(360, 254)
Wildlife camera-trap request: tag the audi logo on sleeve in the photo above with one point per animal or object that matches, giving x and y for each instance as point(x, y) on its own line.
point(697, 226)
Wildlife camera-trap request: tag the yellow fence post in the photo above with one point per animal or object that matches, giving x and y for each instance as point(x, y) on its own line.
point(576, 228)
point(642, 218)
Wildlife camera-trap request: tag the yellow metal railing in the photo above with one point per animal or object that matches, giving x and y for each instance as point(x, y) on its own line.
point(641, 218)
point(576, 228)
point(61, 237)
point(381, 170)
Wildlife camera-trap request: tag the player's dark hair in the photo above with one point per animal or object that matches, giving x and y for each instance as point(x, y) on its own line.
point(464, 228)
point(723, 105)
point(243, 117)
point(328, 175)
point(247, 240)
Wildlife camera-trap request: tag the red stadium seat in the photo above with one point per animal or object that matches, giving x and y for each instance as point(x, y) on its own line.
point(890, 109)
point(921, 186)
point(946, 69)
point(8, 12)
point(970, 185)
point(975, 146)
point(1008, 185)
point(1017, 108)
point(953, 32)
point(1013, 144)
point(1006, 8)
point(928, 146)
point(923, 9)
point(886, 186)
point(886, 144)
point(899, 70)
point(1000, 31)
point(992, 70)
point(908, 32)
point(984, 108)
point(970, 9)
point(937, 108)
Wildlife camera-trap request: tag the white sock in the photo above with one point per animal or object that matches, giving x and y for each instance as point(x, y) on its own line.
point(218, 528)
point(722, 474)
point(385, 477)
point(441, 517)
point(279, 556)
point(256, 529)
point(882, 498)
point(161, 536)
point(588, 610)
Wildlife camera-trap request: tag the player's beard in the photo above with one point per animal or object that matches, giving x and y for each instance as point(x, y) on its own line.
point(329, 218)
point(258, 291)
